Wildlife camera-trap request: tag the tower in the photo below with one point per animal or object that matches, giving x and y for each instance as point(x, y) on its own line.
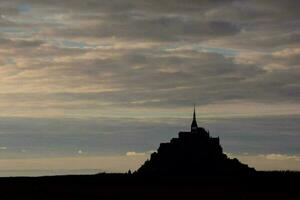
point(194, 125)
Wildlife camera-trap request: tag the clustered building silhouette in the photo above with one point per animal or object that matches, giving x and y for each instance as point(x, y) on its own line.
point(193, 152)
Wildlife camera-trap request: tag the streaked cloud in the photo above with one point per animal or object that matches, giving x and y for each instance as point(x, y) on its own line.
point(122, 60)
point(272, 161)
point(281, 157)
point(133, 153)
point(182, 52)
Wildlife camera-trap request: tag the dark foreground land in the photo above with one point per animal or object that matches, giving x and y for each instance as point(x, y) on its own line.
point(261, 185)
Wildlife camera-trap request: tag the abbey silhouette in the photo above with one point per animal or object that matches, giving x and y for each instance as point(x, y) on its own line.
point(194, 152)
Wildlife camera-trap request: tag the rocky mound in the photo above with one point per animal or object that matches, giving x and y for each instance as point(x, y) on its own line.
point(193, 152)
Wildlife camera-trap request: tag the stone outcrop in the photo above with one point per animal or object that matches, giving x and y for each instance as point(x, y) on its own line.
point(194, 152)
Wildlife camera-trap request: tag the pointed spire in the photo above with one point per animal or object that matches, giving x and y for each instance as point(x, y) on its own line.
point(194, 125)
point(194, 115)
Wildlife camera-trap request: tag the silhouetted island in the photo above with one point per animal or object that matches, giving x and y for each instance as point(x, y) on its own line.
point(194, 152)
point(192, 166)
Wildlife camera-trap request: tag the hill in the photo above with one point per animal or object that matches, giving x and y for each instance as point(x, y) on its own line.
point(193, 153)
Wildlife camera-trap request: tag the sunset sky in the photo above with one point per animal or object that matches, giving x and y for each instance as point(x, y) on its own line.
point(98, 84)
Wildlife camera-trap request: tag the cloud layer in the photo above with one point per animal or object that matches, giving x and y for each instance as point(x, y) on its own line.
point(115, 70)
point(153, 54)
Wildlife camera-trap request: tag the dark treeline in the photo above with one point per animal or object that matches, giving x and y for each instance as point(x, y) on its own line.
point(258, 185)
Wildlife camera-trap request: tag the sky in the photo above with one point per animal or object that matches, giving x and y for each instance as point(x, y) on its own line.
point(98, 84)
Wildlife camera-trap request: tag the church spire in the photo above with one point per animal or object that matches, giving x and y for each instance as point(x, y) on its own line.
point(194, 125)
point(194, 115)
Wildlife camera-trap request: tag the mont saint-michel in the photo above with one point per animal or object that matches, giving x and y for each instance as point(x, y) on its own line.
point(190, 166)
point(96, 99)
point(194, 152)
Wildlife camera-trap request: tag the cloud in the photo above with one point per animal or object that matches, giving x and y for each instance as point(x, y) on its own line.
point(10, 43)
point(273, 161)
point(141, 59)
point(281, 157)
point(208, 52)
point(159, 29)
point(133, 153)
